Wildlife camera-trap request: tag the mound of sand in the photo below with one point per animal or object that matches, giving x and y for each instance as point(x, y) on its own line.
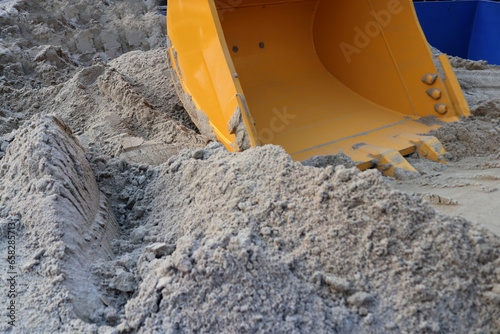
point(477, 136)
point(263, 243)
point(214, 241)
point(118, 118)
point(48, 191)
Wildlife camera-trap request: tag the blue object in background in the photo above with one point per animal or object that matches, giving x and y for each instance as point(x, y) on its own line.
point(162, 10)
point(468, 29)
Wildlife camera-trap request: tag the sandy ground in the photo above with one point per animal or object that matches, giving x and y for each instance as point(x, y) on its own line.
point(469, 193)
point(470, 185)
point(126, 219)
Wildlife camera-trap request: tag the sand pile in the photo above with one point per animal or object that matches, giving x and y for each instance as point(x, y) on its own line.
point(108, 109)
point(473, 137)
point(477, 136)
point(263, 243)
point(49, 192)
point(213, 241)
point(74, 220)
point(151, 78)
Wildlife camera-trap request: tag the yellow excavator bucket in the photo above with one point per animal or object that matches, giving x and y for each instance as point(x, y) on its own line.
point(316, 77)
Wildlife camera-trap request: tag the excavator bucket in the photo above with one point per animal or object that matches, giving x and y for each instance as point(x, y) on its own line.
point(316, 77)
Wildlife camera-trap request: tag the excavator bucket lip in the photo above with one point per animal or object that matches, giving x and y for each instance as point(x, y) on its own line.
point(393, 136)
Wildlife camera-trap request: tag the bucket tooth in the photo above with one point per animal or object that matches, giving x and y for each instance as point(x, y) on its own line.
point(389, 162)
point(428, 147)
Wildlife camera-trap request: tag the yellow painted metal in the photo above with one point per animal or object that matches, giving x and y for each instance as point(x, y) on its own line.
point(202, 64)
point(453, 87)
point(389, 162)
point(426, 146)
point(314, 76)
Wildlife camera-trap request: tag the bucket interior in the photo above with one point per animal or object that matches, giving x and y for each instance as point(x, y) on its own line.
point(317, 72)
